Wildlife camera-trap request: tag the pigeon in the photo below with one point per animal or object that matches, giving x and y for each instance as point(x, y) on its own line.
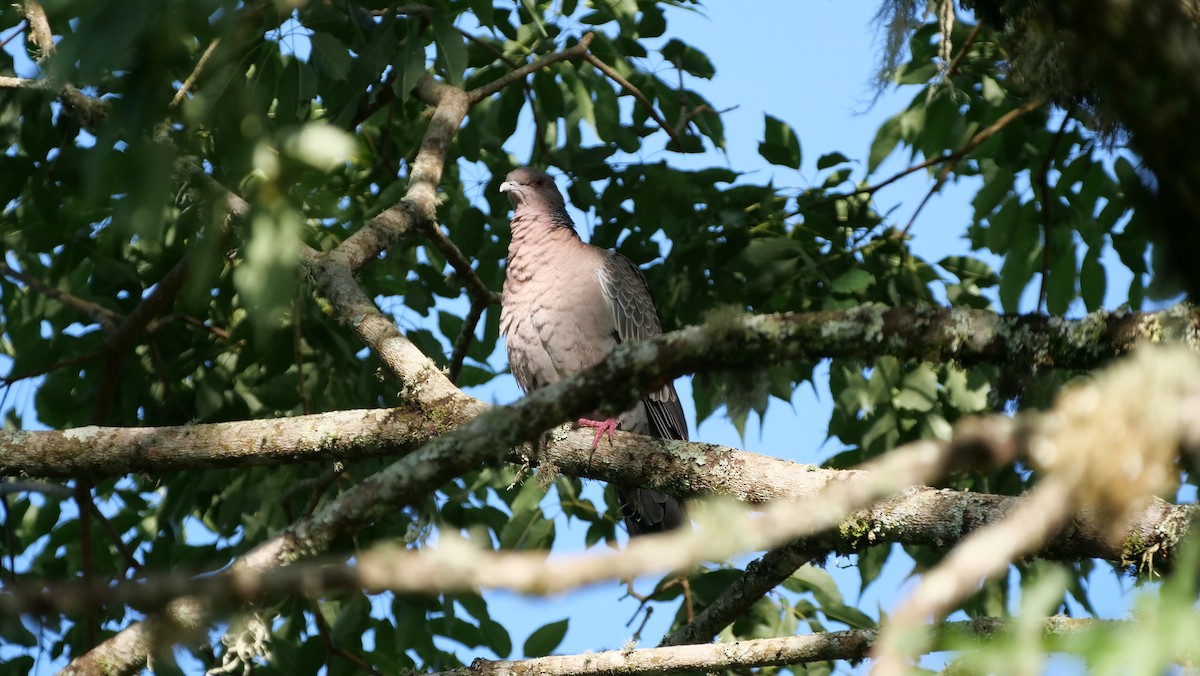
point(566, 304)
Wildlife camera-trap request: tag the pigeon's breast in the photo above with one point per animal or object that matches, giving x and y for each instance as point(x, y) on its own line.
point(554, 318)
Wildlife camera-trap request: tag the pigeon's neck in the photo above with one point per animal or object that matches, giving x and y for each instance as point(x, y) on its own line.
point(529, 227)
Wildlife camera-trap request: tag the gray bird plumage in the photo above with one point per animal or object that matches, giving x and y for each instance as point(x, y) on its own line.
point(566, 305)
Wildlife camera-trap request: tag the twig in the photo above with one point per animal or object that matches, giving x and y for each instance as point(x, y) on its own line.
point(463, 342)
point(195, 74)
point(103, 316)
point(199, 323)
point(161, 367)
point(16, 31)
point(637, 94)
point(332, 648)
point(954, 157)
point(10, 544)
point(9, 380)
point(475, 287)
point(962, 51)
point(45, 488)
point(130, 562)
point(83, 500)
point(1043, 181)
point(578, 50)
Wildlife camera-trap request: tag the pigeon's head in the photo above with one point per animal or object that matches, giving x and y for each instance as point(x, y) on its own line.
point(528, 187)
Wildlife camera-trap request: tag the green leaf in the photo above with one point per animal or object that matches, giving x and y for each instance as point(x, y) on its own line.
point(852, 281)
point(885, 142)
point(1093, 282)
point(831, 160)
point(690, 59)
point(452, 51)
point(781, 146)
point(653, 22)
point(919, 391)
point(412, 62)
point(483, 12)
point(545, 639)
point(1060, 287)
point(329, 56)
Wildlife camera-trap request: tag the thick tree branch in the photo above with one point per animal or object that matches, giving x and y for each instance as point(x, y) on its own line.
point(759, 578)
point(850, 645)
point(456, 566)
point(967, 336)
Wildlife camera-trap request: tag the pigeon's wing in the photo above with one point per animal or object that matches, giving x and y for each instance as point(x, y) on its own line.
point(635, 316)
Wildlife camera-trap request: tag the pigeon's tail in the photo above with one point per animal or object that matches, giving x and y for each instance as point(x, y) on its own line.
point(649, 511)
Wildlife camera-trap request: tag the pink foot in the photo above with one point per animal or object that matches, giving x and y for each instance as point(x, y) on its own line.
point(602, 427)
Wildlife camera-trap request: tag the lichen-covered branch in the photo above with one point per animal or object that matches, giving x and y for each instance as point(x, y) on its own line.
point(969, 336)
point(851, 645)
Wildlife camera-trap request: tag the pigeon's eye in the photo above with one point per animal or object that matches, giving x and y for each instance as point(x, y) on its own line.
point(537, 182)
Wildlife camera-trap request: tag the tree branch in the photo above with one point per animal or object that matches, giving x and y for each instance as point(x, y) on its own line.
point(852, 645)
point(103, 316)
point(578, 50)
point(936, 334)
point(955, 157)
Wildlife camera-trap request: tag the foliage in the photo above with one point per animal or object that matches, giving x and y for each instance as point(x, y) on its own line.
point(309, 116)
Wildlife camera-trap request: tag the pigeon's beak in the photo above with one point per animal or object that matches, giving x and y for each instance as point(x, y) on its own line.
point(507, 186)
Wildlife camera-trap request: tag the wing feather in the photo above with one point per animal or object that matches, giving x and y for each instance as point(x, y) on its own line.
point(636, 318)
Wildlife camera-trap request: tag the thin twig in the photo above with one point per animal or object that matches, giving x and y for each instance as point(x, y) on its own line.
point(962, 51)
point(953, 158)
point(103, 316)
point(17, 31)
point(9, 380)
point(195, 74)
point(161, 367)
point(333, 648)
point(83, 500)
point(298, 351)
point(463, 342)
point(10, 544)
point(578, 50)
point(637, 94)
point(44, 487)
point(130, 562)
point(475, 287)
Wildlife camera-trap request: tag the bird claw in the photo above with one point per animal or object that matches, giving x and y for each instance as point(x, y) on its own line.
point(602, 427)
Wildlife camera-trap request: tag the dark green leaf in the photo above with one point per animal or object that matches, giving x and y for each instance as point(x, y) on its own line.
point(545, 639)
point(781, 145)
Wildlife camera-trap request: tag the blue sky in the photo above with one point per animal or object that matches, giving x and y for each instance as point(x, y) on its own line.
point(810, 64)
